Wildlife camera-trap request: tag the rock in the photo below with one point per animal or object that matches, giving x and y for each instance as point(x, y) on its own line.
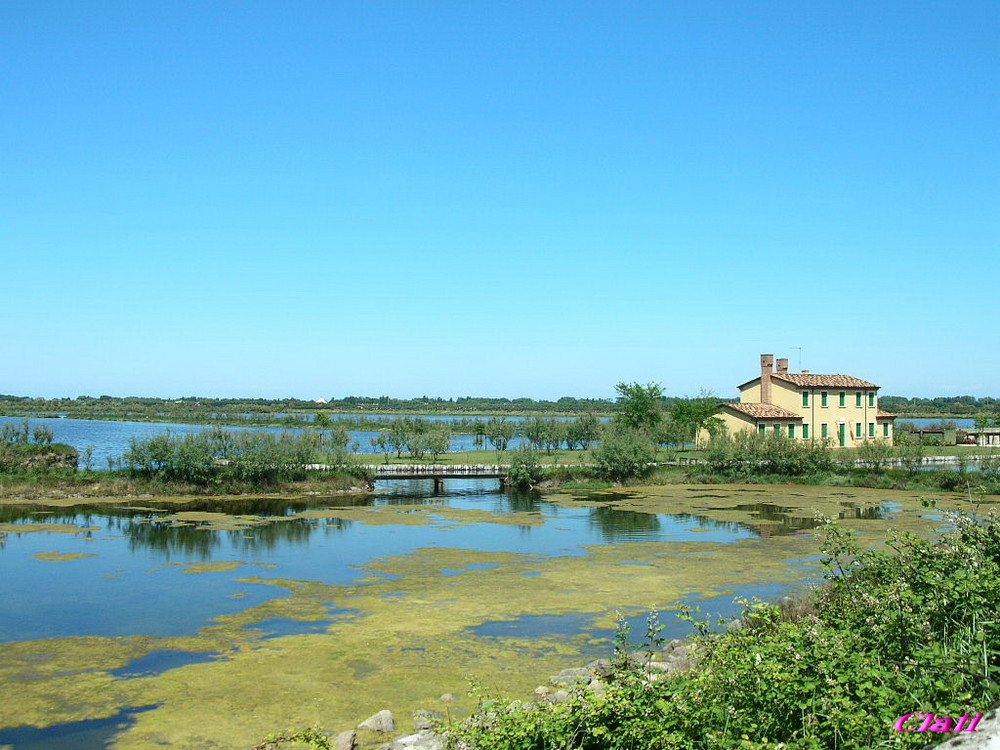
point(425, 719)
point(383, 721)
point(424, 740)
point(559, 696)
point(540, 690)
point(601, 667)
point(345, 740)
point(574, 676)
point(448, 698)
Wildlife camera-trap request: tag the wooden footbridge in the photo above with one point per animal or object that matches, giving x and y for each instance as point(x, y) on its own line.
point(439, 472)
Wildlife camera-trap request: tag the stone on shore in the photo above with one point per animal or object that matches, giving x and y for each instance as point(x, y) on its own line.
point(383, 721)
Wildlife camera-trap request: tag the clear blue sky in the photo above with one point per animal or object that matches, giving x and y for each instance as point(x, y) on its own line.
point(318, 199)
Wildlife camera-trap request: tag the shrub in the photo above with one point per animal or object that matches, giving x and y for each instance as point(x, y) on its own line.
point(748, 453)
point(524, 471)
point(624, 455)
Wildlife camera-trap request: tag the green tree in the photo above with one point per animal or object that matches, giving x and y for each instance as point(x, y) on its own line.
point(583, 431)
point(640, 407)
point(695, 414)
point(499, 431)
point(438, 441)
point(398, 435)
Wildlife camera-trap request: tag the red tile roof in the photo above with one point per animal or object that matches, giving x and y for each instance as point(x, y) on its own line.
point(882, 414)
point(763, 411)
point(820, 381)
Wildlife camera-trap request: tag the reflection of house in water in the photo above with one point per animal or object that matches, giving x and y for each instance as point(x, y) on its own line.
point(777, 520)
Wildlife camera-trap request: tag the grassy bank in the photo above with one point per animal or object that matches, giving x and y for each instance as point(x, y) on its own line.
point(62, 483)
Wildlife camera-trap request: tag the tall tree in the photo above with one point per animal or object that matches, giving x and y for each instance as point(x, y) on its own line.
point(640, 407)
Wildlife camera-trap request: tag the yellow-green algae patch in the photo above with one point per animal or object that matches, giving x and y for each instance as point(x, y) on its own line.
point(411, 638)
point(57, 556)
point(216, 566)
point(213, 521)
point(67, 679)
point(47, 528)
point(419, 515)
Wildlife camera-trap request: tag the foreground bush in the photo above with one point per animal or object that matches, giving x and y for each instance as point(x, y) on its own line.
point(910, 628)
point(745, 454)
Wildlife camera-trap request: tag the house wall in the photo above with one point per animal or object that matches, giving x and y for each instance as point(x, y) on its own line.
point(789, 396)
point(733, 423)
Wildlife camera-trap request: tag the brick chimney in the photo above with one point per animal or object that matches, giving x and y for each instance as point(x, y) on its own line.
point(783, 366)
point(766, 368)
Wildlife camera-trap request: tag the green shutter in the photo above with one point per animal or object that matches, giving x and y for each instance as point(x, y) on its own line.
point(805, 432)
point(805, 399)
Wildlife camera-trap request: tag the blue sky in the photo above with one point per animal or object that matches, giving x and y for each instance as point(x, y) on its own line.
point(500, 198)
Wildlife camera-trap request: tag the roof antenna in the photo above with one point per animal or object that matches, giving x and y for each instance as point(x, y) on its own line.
point(799, 348)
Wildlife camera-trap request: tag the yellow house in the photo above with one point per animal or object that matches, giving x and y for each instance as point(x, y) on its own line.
point(841, 409)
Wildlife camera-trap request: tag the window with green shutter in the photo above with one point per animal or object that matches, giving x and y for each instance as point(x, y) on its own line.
point(843, 398)
point(805, 432)
point(857, 399)
point(791, 431)
point(885, 429)
point(857, 429)
point(824, 431)
point(824, 397)
point(871, 399)
point(761, 428)
point(871, 429)
point(805, 399)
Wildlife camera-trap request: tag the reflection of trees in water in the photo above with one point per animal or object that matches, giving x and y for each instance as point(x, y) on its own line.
point(200, 540)
point(704, 522)
point(146, 527)
point(868, 513)
point(618, 525)
point(522, 501)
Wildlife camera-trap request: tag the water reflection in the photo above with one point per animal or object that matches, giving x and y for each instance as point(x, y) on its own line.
point(92, 734)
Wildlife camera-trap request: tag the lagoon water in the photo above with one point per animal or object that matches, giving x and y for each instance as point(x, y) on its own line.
point(146, 606)
point(109, 439)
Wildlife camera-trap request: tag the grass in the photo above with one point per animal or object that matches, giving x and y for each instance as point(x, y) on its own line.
point(65, 483)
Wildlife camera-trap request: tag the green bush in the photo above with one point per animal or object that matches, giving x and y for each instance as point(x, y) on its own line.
point(217, 455)
point(525, 471)
point(624, 455)
point(745, 454)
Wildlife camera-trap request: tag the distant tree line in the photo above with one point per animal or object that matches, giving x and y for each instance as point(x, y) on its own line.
point(940, 405)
